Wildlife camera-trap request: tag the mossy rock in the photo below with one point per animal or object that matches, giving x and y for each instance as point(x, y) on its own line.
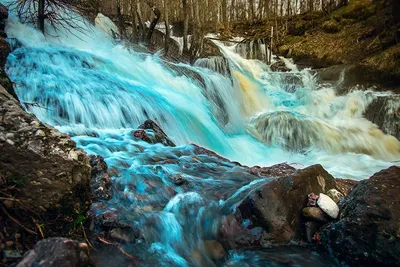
point(331, 26)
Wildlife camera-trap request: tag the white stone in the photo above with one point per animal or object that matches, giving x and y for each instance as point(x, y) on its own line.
point(328, 206)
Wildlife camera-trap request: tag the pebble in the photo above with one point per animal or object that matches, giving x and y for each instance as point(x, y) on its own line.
point(10, 136)
point(10, 142)
point(328, 205)
point(335, 195)
point(40, 133)
point(312, 200)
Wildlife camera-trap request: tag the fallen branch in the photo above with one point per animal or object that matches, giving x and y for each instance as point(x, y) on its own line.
point(119, 247)
point(17, 222)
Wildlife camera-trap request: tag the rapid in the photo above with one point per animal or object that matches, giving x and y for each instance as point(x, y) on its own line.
point(99, 91)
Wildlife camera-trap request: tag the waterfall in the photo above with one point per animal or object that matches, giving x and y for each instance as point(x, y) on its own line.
point(99, 92)
point(84, 83)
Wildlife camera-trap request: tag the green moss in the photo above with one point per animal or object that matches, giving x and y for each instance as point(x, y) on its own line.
point(16, 180)
point(356, 9)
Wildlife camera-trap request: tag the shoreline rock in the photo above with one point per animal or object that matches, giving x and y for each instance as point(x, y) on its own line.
point(368, 230)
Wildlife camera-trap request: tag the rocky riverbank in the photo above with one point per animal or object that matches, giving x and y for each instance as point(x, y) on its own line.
point(361, 39)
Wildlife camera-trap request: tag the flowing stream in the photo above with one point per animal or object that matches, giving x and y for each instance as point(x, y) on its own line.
point(99, 92)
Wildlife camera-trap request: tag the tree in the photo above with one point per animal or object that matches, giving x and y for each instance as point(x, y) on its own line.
point(52, 11)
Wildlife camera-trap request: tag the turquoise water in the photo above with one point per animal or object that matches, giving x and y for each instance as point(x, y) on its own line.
point(99, 92)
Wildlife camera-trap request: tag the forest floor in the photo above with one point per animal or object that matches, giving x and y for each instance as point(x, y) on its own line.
point(365, 34)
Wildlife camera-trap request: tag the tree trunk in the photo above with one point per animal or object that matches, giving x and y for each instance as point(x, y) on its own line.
point(225, 15)
point(121, 23)
point(135, 35)
point(185, 25)
point(41, 15)
point(166, 22)
point(157, 15)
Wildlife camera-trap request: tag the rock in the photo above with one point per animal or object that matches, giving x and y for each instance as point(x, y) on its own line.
point(178, 179)
point(11, 255)
point(335, 195)
point(384, 111)
point(316, 214)
point(368, 231)
point(312, 227)
point(344, 186)
point(328, 205)
point(331, 26)
point(272, 213)
point(101, 181)
point(5, 50)
point(214, 250)
point(60, 252)
point(153, 134)
point(40, 170)
point(3, 12)
point(312, 200)
point(280, 66)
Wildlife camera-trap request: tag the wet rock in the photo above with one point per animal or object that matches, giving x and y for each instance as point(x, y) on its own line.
point(153, 134)
point(50, 176)
point(328, 205)
point(60, 252)
point(272, 213)
point(11, 255)
point(316, 214)
point(280, 66)
point(384, 111)
point(275, 171)
point(368, 231)
point(335, 195)
point(3, 12)
point(312, 228)
point(101, 181)
point(178, 179)
point(214, 250)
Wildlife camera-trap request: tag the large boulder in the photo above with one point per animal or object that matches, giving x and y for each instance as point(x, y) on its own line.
point(272, 213)
point(41, 168)
point(368, 231)
point(60, 252)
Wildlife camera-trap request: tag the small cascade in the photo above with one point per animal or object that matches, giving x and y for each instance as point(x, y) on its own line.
point(253, 50)
point(217, 64)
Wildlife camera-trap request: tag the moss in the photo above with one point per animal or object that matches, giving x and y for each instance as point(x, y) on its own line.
point(356, 9)
point(331, 26)
point(16, 180)
point(7, 84)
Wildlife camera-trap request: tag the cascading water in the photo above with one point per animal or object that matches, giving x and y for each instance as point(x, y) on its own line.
point(98, 92)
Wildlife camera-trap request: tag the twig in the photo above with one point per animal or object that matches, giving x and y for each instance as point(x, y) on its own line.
point(119, 247)
point(11, 199)
point(86, 238)
point(17, 222)
point(40, 229)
